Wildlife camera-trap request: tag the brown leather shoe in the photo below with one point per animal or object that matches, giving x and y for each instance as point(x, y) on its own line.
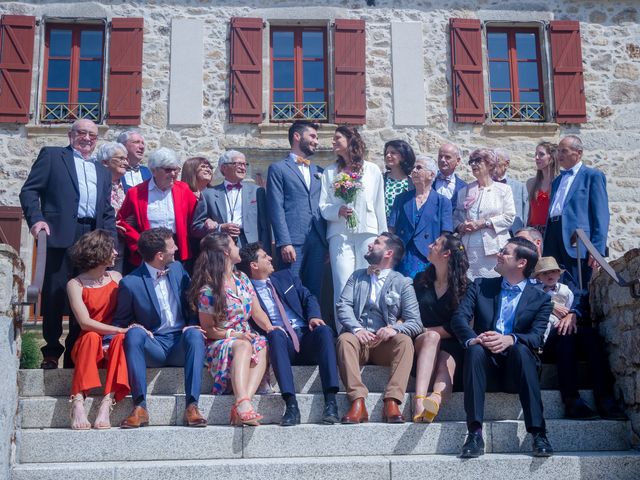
point(193, 418)
point(357, 413)
point(139, 417)
point(391, 412)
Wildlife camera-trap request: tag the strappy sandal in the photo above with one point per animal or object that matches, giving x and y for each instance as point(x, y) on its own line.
point(431, 407)
point(419, 418)
point(106, 426)
point(78, 398)
point(250, 417)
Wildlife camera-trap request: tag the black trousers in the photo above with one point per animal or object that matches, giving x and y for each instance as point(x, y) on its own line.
point(554, 247)
point(513, 371)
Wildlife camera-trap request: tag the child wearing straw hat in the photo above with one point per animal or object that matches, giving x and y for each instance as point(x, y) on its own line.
point(548, 272)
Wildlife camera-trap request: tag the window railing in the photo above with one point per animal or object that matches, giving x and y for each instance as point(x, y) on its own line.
point(519, 112)
point(283, 111)
point(69, 112)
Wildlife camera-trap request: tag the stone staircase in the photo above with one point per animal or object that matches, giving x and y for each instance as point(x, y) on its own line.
point(47, 449)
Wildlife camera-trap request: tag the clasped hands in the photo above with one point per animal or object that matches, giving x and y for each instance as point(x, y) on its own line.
point(469, 226)
point(372, 339)
point(493, 341)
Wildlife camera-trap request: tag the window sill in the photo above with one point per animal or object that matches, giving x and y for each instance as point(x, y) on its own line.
point(525, 128)
point(280, 130)
point(56, 130)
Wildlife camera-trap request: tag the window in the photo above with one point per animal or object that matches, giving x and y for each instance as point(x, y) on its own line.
point(515, 80)
point(298, 74)
point(73, 73)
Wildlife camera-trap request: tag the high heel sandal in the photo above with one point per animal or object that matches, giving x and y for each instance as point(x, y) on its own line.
point(431, 407)
point(108, 425)
point(78, 398)
point(419, 418)
point(250, 417)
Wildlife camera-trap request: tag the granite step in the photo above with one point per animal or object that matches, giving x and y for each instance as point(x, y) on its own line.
point(226, 442)
point(53, 412)
point(583, 465)
point(170, 381)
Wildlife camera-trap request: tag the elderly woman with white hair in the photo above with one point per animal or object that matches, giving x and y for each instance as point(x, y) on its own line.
point(161, 201)
point(420, 216)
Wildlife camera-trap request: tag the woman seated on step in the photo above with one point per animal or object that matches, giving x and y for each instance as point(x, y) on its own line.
point(92, 297)
point(439, 290)
point(225, 299)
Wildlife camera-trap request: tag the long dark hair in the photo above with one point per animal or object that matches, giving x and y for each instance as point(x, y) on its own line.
point(552, 150)
point(356, 148)
point(458, 266)
point(209, 271)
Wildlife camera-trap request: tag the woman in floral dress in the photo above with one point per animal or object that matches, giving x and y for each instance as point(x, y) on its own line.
point(236, 356)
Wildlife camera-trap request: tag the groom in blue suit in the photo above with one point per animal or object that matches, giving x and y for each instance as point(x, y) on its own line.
point(578, 200)
point(293, 195)
point(162, 329)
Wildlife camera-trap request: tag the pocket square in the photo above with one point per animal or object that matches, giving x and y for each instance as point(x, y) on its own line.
point(392, 298)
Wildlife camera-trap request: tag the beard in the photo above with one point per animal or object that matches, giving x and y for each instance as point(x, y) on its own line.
point(306, 148)
point(373, 257)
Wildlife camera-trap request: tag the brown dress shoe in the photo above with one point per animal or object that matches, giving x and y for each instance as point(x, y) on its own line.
point(391, 412)
point(193, 418)
point(139, 417)
point(357, 413)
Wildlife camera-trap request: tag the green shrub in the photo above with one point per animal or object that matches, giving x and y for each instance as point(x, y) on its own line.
point(30, 357)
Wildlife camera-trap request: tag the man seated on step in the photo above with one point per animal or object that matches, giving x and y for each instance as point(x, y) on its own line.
point(164, 332)
point(510, 315)
point(302, 338)
point(379, 315)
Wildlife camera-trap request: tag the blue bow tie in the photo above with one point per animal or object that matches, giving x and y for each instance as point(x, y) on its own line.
point(566, 172)
point(446, 179)
point(510, 288)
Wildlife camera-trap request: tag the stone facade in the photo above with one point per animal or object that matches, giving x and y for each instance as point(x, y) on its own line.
point(611, 50)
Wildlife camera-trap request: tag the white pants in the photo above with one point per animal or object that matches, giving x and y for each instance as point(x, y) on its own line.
point(347, 255)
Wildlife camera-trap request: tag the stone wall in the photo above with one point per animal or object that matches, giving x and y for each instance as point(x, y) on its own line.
point(611, 50)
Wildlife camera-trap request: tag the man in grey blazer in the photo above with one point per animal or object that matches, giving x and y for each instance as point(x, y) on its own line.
point(379, 315)
point(234, 207)
point(520, 196)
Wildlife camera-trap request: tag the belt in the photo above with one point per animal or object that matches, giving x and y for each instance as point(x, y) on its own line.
point(557, 218)
point(86, 221)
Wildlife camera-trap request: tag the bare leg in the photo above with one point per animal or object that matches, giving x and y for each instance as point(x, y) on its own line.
point(103, 418)
point(79, 420)
point(240, 373)
point(256, 372)
point(443, 381)
point(426, 346)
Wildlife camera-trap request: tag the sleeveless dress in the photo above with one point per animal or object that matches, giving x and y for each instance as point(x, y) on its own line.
point(539, 210)
point(93, 351)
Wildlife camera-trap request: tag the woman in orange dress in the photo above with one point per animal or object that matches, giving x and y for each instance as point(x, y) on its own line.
point(92, 296)
point(539, 187)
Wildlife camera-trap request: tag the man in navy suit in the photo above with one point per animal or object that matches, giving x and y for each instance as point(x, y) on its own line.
point(301, 337)
point(293, 195)
point(136, 172)
point(510, 317)
point(164, 331)
point(447, 183)
point(578, 200)
point(67, 195)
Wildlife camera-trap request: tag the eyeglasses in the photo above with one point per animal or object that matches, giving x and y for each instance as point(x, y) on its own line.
point(504, 252)
point(238, 164)
point(84, 133)
point(475, 160)
point(418, 167)
point(205, 166)
point(171, 169)
point(121, 159)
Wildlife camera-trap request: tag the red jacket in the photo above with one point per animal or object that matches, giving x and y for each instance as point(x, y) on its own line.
point(133, 217)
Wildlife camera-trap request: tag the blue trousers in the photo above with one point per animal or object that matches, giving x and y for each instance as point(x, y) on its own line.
point(174, 349)
point(309, 264)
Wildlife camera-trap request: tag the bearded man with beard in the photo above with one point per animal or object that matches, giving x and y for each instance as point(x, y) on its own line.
point(293, 194)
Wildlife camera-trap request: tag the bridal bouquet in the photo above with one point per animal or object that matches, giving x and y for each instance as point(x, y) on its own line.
point(346, 186)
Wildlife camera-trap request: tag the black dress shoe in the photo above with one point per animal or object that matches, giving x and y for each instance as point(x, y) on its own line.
point(291, 416)
point(473, 447)
point(330, 413)
point(609, 409)
point(541, 445)
point(578, 410)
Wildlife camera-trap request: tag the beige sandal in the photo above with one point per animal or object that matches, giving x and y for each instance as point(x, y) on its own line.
point(75, 399)
point(105, 426)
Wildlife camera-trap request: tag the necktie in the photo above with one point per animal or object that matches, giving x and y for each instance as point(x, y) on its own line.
point(371, 270)
point(566, 172)
point(303, 161)
point(161, 273)
point(231, 186)
point(283, 315)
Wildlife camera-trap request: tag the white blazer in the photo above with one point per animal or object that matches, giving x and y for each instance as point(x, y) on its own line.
point(368, 205)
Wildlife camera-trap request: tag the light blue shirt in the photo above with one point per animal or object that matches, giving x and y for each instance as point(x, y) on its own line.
point(272, 309)
point(87, 185)
point(509, 299)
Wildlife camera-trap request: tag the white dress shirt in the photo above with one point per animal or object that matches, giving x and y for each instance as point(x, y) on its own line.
point(234, 204)
point(160, 209)
point(87, 185)
point(170, 319)
point(133, 178)
point(445, 185)
point(561, 194)
point(305, 170)
point(377, 282)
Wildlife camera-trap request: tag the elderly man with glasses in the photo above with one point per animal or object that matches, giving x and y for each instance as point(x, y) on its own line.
point(67, 195)
point(161, 201)
point(235, 207)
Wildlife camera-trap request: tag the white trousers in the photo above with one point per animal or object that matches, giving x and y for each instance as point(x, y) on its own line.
point(347, 255)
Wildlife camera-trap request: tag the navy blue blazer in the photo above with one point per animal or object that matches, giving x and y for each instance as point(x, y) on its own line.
point(51, 194)
point(586, 206)
point(146, 175)
point(482, 304)
point(460, 184)
point(436, 218)
point(293, 208)
point(138, 303)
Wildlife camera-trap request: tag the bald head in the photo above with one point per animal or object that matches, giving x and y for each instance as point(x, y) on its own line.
point(448, 158)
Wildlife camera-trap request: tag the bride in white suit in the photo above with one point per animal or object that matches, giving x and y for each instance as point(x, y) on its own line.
point(347, 246)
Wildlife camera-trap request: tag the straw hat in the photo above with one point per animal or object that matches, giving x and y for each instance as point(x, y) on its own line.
point(546, 264)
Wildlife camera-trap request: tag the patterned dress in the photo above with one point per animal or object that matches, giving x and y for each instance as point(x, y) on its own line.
point(218, 353)
point(393, 188)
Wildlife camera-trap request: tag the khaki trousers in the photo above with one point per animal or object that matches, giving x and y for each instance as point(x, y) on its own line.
point(397, 352)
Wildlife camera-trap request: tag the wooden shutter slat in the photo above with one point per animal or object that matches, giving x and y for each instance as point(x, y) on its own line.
point(17, 35)
point(350, 100)
point(124, 103)
point(568, 72)
point(466, 70)
point(245, 89)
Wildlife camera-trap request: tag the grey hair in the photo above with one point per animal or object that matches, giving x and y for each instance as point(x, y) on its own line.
point(502, 154)
point(164, 158)
point(456, 149)
point(124, 137)
point(429, 163)
point(74, 125)
point(108, 150)
point(228, 156)
point(576, 142)
point(533, 232)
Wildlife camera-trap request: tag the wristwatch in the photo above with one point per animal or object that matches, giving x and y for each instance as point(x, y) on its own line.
point(487, 223)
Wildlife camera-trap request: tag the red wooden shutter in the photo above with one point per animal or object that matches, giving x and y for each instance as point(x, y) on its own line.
point(350, 89)
point(125, 71)
point(466, 70)
point(245, 99)
point(568, 74)
point(16, 64)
